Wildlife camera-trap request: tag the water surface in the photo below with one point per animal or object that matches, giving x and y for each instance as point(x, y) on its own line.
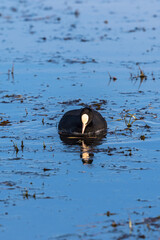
point(67, 54)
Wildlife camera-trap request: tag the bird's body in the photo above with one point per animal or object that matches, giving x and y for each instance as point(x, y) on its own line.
point(84, 122)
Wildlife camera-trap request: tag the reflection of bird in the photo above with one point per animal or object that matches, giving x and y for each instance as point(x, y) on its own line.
point(87, 156)
point(82, 122)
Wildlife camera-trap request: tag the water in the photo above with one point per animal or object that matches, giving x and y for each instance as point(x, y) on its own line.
point(64, 54)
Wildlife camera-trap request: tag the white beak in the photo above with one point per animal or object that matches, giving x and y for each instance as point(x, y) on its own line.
point(83, 127)
point(85, 119)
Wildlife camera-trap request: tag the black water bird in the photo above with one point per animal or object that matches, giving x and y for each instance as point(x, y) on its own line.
point(84, 122)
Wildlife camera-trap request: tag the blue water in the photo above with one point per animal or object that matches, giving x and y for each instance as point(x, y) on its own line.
point(63, 53)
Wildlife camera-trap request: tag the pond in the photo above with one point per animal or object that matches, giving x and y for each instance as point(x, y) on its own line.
point(62, 55)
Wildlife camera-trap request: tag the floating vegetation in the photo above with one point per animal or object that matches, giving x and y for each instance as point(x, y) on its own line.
point(70, 102)
point(8, 183)
point(150, 221)
point(26, 112)
point(140, 76)
point(15, 147)
point(130, 225)
point(22, 145)
point(114, 224)
point(106, 21)
point(137, 29)
point(142, 137)
point(44, 145)
point(72, 61)
point(11, 72)
point(5, 123)
point(46, 169)
point(76, 13)
point(108, 214)
point(98, 104)
point(26, 195)
point(14, 96)
point(111, 78)
point(128, 118)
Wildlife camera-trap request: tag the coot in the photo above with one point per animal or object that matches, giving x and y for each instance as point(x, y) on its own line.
point(84, 122)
